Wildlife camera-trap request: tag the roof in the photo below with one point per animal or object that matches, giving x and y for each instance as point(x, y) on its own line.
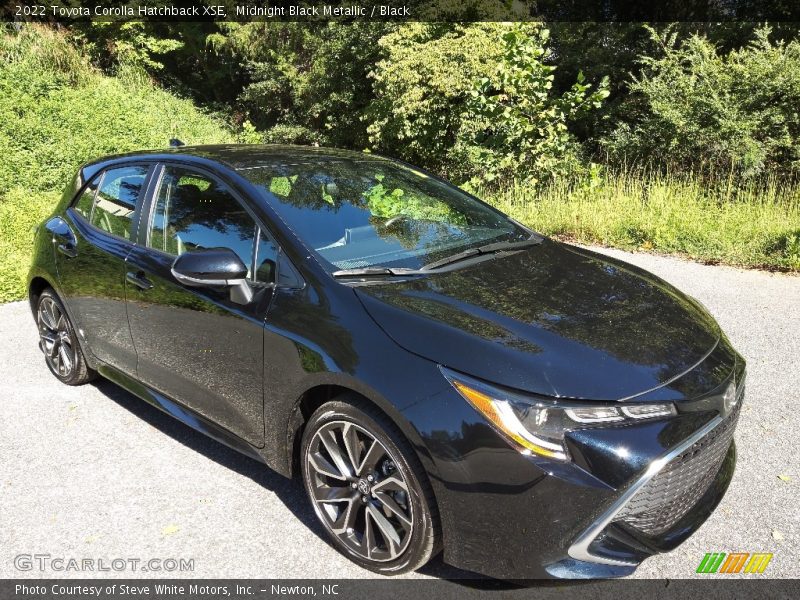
point(247, 156)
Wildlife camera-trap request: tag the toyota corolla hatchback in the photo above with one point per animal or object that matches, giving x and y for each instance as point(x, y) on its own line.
point(440, 377)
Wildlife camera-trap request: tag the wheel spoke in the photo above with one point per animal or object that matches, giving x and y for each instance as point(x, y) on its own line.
point(65, 358)
point(329, 493)
point(57, 362)
point(54, 314)
point(392, 483)
point(390, 503)
point(374, 454)
point(387, 530)
point(48, 336)
point(353, 447)
point(321, 465)
point(368, 539)
point(49, 342)
point(346, 518)
point(46, 317)
point(328, 438)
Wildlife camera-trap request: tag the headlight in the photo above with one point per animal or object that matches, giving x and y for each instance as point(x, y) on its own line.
point(537, 425)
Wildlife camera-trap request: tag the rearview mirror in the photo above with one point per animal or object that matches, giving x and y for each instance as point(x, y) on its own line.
point(214, 267)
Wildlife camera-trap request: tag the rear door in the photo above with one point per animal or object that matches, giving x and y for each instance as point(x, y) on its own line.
point(195, 345)
point(102, 226)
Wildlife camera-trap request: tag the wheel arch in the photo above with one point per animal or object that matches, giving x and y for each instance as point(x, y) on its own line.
point(36, 286)
point(320, 393)
point(38, 283)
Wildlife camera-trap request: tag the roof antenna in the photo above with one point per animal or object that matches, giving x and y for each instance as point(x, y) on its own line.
point(176, 143)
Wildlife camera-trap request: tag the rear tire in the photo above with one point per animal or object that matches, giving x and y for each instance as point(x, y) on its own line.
point(368, 488)
point(59, 342)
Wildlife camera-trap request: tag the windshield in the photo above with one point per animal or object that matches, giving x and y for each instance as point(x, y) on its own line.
point(368, 213)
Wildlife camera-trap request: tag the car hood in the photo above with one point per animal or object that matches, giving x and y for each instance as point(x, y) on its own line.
point(553, 320)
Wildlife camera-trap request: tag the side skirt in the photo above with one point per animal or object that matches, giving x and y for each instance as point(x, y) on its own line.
point(180, 412)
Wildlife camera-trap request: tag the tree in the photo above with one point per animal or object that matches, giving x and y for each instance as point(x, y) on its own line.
point(518, 129)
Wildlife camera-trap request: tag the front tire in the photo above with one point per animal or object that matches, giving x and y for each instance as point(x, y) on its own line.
point(368, 488)
point(59, 343)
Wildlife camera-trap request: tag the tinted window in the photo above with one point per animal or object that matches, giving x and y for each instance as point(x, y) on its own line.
point(194, 211)
point(115, 202)
point(84, 203)
point(362, 213)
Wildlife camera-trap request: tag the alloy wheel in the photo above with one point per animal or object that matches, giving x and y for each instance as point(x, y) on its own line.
point(358, 492)
point(55, 339)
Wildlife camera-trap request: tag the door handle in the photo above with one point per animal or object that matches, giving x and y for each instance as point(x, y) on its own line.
point(68, 249)
point(139, 280)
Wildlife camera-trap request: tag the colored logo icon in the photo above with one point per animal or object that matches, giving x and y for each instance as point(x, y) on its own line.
point(736, 562)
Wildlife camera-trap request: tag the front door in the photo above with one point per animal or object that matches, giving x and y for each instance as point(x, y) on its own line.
point(195, 345)
point(91, 262)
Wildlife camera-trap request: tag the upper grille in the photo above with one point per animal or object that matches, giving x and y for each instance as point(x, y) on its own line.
point(668, 496)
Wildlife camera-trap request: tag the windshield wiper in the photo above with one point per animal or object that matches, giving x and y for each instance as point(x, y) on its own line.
point(375, 272)
point(482, 250)
point(466, 254)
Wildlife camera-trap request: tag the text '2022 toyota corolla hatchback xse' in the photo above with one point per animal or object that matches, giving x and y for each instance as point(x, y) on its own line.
point(440, 377)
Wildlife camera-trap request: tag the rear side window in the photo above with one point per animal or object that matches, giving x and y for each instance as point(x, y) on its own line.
point(115, 201)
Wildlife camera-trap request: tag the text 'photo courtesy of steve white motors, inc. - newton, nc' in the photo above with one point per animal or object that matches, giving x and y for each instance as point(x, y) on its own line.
point(265, 10)
point(177, 590)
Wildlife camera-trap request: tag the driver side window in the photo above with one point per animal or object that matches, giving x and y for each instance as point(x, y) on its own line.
point(194, 211)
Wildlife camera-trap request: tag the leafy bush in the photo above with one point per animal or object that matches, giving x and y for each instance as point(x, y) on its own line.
point(421, 88)
point(695, 107)
point(475, 101)
point(20, 211)
point(304, 82)
point(518, 128)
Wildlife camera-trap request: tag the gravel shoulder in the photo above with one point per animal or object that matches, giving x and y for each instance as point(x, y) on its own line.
point(94, 472)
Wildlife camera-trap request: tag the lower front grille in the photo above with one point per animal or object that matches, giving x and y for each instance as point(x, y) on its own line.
point(668, 496)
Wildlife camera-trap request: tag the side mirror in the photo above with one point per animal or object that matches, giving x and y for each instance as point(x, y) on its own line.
point(215, 267)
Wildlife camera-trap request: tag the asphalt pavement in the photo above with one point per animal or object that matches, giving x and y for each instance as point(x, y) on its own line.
point(92, 472)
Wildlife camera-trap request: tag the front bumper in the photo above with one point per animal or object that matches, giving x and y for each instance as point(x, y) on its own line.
point(629, 493)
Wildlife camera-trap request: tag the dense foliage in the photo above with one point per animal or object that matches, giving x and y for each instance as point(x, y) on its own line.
point(731, 112)
point(604, 132)
point(519, 129)
point(475, 102)
point(687, 96)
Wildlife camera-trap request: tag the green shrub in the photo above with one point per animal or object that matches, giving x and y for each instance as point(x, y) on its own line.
point(476, 101)
point(57, 112)
point(421, 88)
point(694, 107)
point(20, 211)
point(517, 129)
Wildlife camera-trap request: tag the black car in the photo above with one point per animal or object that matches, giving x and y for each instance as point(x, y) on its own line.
point(439, 376)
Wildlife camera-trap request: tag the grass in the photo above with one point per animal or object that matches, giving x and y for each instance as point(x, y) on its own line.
point(709, 220)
